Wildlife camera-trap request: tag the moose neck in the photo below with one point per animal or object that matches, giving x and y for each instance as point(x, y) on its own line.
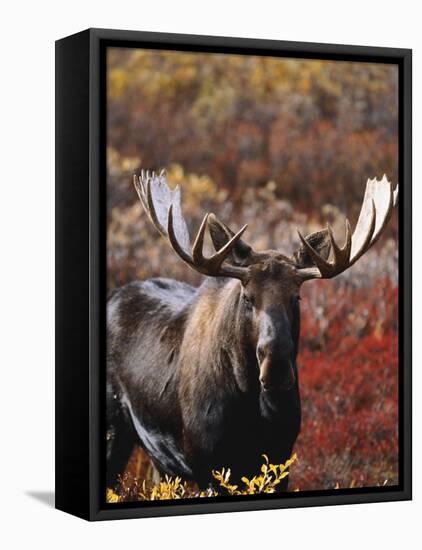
point(227, 344)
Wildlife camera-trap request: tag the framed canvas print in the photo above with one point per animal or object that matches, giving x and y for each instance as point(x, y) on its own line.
point(233, 244)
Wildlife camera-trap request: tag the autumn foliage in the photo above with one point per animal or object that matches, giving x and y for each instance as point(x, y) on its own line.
point(265, 481)
point(349, 382)
point(278, 144)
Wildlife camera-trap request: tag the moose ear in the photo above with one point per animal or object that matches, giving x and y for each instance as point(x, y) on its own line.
point(320, 242)
point(221, 234)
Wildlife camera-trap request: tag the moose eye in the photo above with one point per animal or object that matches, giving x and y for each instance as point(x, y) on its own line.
point(248, 301)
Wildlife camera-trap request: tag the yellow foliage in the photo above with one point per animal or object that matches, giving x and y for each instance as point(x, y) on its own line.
point(112, 496)
point(168, 488)
point(271, 475)
point(175, 488)
point(195, 187)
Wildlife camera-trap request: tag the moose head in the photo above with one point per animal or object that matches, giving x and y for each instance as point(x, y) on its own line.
point(270, 281)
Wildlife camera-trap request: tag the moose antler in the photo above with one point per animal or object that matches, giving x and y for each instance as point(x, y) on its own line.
point(378, 203)
point(163, 207)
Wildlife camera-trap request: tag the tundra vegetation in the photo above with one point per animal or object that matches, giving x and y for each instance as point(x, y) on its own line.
point(279, 144)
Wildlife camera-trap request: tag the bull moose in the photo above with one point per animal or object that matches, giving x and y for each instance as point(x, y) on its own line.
point(206, 377)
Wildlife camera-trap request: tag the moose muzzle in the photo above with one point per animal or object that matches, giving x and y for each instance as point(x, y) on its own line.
point(275, 352)
point(276, 376)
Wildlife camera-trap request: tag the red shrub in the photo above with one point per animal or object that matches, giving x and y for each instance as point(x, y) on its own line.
point(348, 368)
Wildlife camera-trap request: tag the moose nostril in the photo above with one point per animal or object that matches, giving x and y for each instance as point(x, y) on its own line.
point(283, 379)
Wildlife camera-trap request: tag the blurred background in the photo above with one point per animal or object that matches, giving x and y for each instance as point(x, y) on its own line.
point(279, 144)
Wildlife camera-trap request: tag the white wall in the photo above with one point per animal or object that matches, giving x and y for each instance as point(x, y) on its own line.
point(28, 31)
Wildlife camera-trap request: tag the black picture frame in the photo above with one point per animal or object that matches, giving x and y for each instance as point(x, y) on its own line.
point(81, 271)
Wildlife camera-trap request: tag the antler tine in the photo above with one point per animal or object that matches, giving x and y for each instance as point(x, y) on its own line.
point(215, 261)
point(367, 241)
point(323, 265)
point(139, 186)
point(163, 208)
point(197, 249)
point(341, 256)
point(211, 266)
point(224, 251)
point(395, 195)
point(378, 203)
point(139, 183)
point(173, 239)
point(151, 208)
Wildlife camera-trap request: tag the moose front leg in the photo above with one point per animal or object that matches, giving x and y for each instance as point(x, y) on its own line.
point(120, 440)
